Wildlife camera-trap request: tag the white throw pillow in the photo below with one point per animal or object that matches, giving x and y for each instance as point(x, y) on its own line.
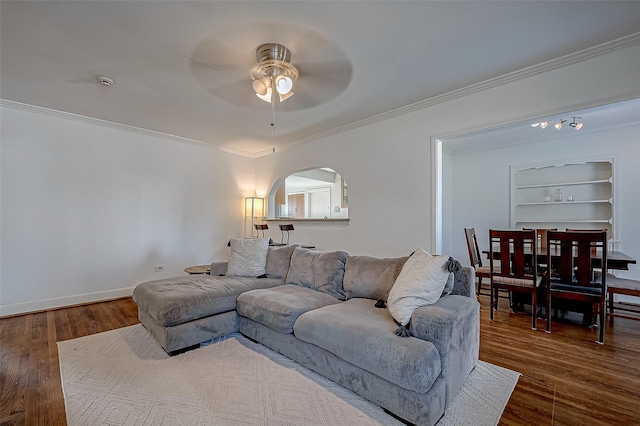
point(420, 283)
point(248, 257)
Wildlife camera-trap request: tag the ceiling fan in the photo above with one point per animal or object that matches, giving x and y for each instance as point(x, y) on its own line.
point(295, 56)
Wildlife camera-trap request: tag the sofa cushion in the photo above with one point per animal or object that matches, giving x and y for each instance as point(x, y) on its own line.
point(321, 271)
point(421, 282)
point(278, 308)
point(248, 257)
point(177, 300)
point(371, 277)
point(278, 260)
point(362, 335)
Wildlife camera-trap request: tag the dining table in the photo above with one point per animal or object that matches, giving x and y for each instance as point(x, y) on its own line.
point(615, 259)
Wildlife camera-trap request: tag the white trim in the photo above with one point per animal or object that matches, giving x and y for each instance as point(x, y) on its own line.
point(60, 302)
point(561, 62)
point(109, 124)
point(436, 195)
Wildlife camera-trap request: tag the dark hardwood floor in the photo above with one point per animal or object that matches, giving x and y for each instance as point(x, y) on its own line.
point(567, 379)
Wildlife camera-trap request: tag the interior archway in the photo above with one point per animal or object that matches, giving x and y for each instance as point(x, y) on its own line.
point(318, 193)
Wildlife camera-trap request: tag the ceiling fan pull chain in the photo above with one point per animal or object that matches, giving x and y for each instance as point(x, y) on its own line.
point(273, 119)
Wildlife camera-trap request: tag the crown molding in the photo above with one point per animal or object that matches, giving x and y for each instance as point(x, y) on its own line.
point(118, 126)
point(561, 62)
point(541, 68)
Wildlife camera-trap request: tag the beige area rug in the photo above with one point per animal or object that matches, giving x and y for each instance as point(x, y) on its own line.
point(123, 377)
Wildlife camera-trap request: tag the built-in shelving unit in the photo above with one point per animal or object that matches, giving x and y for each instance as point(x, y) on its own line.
point(570, 194)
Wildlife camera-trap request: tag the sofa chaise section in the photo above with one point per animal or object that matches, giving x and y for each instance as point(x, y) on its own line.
point(184, 311)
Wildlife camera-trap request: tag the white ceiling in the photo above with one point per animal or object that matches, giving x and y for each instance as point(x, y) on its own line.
point(182, 68)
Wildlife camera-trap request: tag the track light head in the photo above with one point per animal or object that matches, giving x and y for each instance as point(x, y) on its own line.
point(576, 125)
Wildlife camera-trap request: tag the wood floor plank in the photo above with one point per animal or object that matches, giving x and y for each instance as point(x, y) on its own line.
point(567, 379)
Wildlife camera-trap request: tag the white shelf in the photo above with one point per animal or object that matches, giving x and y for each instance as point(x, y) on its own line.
point(589, 182)
point(560, 184)
point(567, 221)
point(551, 203)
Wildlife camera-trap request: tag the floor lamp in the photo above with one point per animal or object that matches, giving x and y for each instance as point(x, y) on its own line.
point(253, 210)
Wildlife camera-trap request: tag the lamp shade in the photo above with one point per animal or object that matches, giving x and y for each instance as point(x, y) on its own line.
point(284, 84)
point(253, 207)
point(284, 97)
point(261, 85)
point(267, 96)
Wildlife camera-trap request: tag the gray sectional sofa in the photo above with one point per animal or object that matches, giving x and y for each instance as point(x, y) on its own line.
point(319, 309)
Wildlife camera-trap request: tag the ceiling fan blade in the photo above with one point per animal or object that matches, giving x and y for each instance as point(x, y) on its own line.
point(222, 58)
point(222, 64)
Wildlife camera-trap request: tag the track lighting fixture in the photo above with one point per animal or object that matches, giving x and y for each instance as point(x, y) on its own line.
point(575, 124)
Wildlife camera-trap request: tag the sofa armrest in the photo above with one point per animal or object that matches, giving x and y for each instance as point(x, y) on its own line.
point(452, 324)
point(464, 283)
point(218, 268)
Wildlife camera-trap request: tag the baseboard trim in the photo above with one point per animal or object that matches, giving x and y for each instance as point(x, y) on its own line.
point(63, 302)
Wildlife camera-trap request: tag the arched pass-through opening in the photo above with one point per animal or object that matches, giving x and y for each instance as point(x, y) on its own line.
point(312, 194)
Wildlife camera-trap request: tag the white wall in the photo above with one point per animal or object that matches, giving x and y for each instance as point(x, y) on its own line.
point(387, 163)
point(379, 208)
point(482, 201)
point(88, 211)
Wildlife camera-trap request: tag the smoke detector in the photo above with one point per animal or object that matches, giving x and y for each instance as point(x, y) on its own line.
point(105, 81)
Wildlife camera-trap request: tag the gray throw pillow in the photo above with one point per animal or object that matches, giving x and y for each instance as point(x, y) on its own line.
point(320, 271)
point(248, 257)
point(371, 277)
point(278, 260)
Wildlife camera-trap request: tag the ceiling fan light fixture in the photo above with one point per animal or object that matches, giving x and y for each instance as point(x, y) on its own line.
point(266, 96)
point(284, 96)
point(283, 84)
point(273, 72)
point(261, 85)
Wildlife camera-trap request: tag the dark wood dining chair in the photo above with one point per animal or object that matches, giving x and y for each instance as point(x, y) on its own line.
point(518, 257)
point(575, 256)
point(475, 259)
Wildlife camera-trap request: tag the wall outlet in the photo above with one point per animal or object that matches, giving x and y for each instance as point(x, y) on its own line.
point(159, 268)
